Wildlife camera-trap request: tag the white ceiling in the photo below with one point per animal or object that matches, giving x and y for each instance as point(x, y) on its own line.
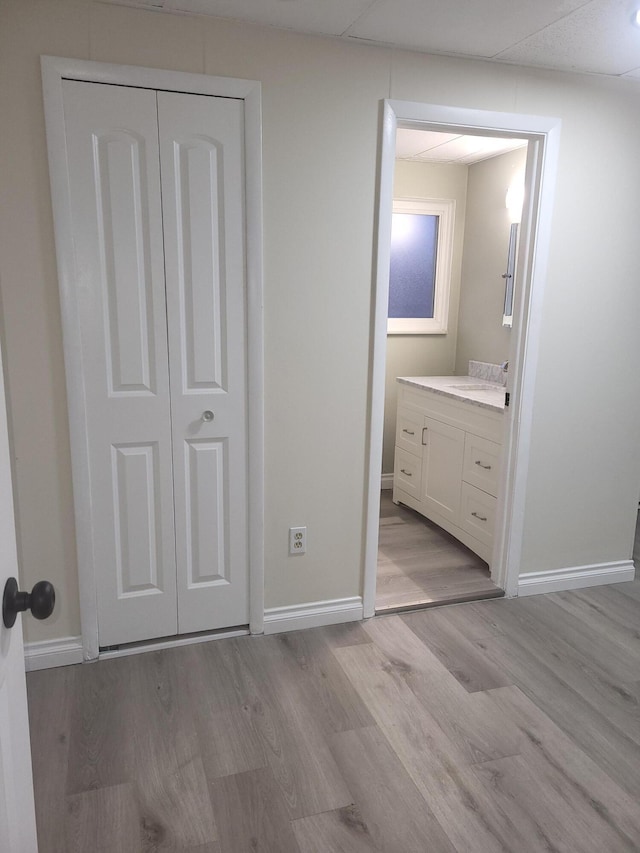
point(427, 146)
point(574, 35)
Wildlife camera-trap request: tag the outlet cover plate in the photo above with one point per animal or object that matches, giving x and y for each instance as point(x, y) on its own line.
point(297, 541)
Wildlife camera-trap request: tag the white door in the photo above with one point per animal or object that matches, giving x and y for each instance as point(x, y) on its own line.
point(17, 815)
point(114, 169)
point(201, 145)
point(157, 194)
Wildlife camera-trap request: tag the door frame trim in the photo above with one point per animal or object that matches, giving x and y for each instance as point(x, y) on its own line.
point(54, 71)
point(543, 136)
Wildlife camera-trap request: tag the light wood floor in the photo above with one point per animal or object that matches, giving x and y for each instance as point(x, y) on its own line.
point(421, 565)
point(509, 726)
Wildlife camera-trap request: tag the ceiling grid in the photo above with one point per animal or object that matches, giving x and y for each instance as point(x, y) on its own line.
point(591, 36)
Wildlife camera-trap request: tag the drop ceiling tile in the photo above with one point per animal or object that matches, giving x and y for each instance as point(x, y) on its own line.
point(409, 142)
point(462, 149)
point(330, 17)
point(492, 148)
point(478, 28)
point(441, 154)
point(599, 38)
point(428, 146)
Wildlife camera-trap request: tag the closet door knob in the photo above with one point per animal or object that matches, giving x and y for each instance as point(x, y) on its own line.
point(40, 601)
point(207, 416)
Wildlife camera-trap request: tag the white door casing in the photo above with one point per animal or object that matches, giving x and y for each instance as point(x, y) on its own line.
point(543, 136)
point(17, 813)
point(247, 96)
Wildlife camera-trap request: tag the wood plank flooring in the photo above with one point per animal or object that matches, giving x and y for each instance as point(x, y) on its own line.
point(492, 727)
point(421, 565)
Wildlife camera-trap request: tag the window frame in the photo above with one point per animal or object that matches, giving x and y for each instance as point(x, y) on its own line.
point(444, 209)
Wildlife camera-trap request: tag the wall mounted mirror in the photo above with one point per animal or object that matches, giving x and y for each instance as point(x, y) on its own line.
point(509, 276)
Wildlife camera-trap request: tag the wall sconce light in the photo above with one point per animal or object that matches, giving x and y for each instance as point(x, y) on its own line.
point(514, 199)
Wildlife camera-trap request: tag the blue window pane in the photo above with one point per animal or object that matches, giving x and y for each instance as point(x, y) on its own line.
point(412, 273)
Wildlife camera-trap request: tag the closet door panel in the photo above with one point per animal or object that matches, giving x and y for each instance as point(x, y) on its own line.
point(137, 520)
point(202, 169)
point(206, 474)
point(200, 248)
point(113, 157)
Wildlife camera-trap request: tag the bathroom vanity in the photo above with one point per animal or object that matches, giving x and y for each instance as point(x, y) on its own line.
point(449, 432)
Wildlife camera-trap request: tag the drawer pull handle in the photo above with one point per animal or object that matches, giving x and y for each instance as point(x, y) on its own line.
point(424, 429)
point(486, 467)
point(479, 517)
point(408, 473)
point(408, 431)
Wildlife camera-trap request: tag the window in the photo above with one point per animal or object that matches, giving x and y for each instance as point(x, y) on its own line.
point(420, 266)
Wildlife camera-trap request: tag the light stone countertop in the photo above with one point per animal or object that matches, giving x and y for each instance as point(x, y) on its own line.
point(477, 392)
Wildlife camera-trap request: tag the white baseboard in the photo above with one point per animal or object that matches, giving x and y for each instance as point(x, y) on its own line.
point(576, 577)
point(312, 615)
point(386, 481)
point(45, 654)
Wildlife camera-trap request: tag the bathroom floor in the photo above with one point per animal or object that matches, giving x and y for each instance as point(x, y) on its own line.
point(421, 565)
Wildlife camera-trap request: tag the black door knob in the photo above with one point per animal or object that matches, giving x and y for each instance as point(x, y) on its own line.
point(40, 601)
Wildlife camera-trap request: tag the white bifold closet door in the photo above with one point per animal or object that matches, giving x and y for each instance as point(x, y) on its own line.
point(157, 204)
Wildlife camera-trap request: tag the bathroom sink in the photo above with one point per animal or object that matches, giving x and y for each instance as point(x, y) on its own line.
point(476, 387)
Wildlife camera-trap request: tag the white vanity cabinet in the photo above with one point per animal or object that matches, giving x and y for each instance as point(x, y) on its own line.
point(447, 463)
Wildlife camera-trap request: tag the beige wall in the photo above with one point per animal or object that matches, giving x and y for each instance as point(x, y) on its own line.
point(481, 335)
point(321, 112)
point(425, 355)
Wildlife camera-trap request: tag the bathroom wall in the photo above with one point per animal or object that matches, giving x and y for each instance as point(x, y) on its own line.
point(425, 355)
point(481, 334)
point(321, 108)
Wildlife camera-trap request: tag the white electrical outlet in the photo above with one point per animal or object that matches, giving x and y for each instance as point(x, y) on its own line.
point(297, 540)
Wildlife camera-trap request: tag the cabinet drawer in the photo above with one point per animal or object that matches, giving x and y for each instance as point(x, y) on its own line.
point(478, 513)
point(481, 463)
point(407, 472)
point(409, 431)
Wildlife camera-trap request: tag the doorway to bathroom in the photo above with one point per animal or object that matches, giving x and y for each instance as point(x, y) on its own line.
point(457, 204)
point(448, 461)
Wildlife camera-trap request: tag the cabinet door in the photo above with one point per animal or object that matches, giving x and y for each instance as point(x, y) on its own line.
point(442, 460)
point(202, 165)
point(114, 188)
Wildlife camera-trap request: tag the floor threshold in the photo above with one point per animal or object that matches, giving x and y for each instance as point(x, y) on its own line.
point(440, 602)
point(420, 565)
